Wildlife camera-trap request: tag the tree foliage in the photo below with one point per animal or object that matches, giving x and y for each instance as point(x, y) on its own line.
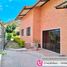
point(11, 28)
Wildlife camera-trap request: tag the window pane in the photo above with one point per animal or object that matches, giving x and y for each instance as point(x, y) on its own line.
point(28, 31)
point(22, 32)
point(18, 33)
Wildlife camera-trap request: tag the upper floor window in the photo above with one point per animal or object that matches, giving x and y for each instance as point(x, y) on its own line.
point(28, 31)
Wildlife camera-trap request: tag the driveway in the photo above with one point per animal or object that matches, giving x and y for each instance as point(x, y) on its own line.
point(20, 59)
point(25, 58)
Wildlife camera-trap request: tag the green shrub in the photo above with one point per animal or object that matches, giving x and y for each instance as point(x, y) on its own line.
point(16, 39)
point(14, 34)
point(20, 42)
point(3, 53)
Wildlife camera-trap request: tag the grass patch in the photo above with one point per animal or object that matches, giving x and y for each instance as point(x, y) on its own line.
point(3, 53)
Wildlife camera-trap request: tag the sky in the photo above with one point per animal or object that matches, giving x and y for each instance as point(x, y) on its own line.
point(9, 9)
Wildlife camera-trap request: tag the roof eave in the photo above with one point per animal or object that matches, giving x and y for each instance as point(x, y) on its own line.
point(59, 6)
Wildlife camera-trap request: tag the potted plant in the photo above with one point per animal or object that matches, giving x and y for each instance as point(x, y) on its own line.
point(36, 43)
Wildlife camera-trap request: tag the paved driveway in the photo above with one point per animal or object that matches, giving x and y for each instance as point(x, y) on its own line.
point(25, 58)
point(20, 59)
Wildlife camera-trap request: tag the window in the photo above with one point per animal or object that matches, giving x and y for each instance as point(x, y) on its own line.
point(28, 31)
point(18, 33)
point(22, 32)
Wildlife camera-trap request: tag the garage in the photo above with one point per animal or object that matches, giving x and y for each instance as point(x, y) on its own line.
point(51, 40)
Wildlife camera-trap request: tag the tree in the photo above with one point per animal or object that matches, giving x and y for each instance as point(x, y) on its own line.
point(11, 28)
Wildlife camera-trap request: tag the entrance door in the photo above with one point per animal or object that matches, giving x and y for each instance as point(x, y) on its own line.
point(51, 40)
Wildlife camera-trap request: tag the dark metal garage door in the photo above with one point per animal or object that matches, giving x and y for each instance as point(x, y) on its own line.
point(51, 40)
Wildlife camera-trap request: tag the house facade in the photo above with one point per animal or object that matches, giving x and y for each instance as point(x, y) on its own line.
point(47, 25)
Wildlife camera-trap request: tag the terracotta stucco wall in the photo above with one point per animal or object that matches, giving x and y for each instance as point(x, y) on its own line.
point(37, 24)
point(52, 18)
point(45, 18)
point(32, 19)
point(27, 21)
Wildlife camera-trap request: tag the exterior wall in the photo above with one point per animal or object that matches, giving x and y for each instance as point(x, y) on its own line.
point(45, 18)
point(27, 21)
point(36, 25)
point(52, 18)
point(32, 19)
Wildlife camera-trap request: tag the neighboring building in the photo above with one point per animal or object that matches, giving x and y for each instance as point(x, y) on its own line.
point(2, 36)
point(45, 22)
